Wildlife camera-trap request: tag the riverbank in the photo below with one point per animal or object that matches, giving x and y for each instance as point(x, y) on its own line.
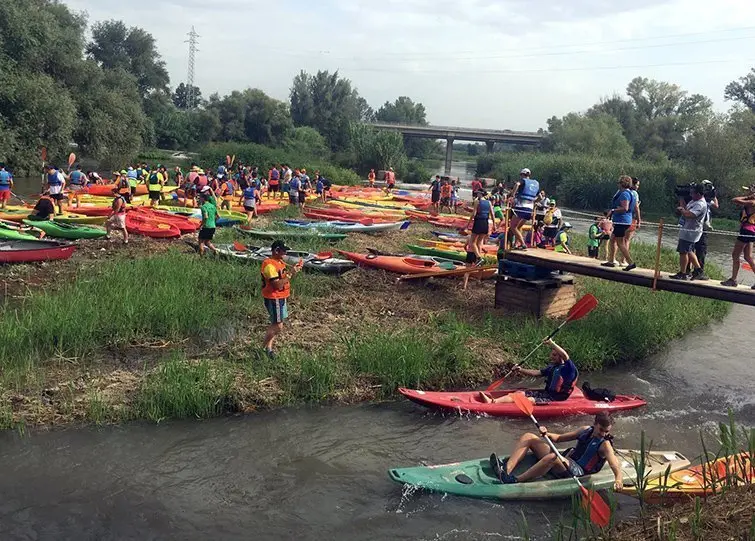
point(150, 331)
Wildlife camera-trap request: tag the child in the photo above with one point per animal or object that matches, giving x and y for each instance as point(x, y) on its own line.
point(562, 239)
point(594, 235)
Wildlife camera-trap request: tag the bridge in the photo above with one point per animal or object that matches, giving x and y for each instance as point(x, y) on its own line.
point(452, 133)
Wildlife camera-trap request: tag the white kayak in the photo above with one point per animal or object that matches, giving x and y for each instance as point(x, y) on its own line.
point(349, 226)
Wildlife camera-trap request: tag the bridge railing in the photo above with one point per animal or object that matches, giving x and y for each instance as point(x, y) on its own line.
point(457, 129)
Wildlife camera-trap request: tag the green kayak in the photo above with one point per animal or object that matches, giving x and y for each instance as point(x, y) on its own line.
point(475, 478)
point(456, 255)
point(14, 231)
point(68, 231)
point(289, 234)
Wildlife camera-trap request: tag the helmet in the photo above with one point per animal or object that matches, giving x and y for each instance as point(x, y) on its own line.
point(566, 225)
point(525, 171)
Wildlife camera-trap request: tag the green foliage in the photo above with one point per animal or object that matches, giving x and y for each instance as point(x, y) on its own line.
point(306, 141)
point(414, 172)
point(599, 135)
point(742, 90)
point(404, 111)
point(186, 97)
point(376, 149)
point(251, 116)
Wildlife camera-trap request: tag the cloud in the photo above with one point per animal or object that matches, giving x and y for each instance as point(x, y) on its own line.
point(478, 63)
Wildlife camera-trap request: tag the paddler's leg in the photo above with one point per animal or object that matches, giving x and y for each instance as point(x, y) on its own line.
point(748, 257)
point(549, 462)
point(528, 442)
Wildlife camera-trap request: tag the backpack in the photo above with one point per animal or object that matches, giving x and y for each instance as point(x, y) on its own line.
point(598, 394)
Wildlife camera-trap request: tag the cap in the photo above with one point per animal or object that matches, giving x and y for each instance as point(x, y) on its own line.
point(123, 172)
point(567, 225)
point(279, 245)
point(525, 171)
point(551, 202)
point(205, 189)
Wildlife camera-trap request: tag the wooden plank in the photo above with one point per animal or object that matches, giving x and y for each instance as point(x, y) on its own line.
point(710, 289)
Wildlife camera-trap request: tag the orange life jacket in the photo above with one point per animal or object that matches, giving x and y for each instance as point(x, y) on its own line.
point(269, 290)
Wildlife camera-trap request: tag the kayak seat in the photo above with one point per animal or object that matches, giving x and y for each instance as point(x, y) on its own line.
point(464, 479)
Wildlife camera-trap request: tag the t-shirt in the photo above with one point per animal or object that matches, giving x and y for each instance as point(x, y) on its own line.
point(319, 186)
point(209, 213)
point(623, 218)
point(567, 376)
point(435, 186)
point(44, 208)
point(5, 179)
point(692, 228)
point(593, 236)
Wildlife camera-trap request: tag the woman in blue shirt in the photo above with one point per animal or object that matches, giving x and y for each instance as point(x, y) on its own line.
point(622, 209)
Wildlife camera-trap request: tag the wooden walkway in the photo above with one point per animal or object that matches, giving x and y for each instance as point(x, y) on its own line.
point(711, 289)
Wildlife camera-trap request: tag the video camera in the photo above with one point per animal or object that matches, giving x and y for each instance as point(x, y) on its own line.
point(685, 191)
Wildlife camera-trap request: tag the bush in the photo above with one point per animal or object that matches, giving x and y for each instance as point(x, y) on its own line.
point(415, 172)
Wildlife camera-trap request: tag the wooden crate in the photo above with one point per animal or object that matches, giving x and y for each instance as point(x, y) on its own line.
point(549, 297)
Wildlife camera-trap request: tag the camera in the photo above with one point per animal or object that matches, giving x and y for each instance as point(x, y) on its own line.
point(684, 191)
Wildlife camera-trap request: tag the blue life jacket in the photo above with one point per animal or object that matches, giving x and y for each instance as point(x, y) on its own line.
point(132, 174)
point(53, 179)
point(221, 170)
point(556, 383)
point(5, 178)
point(319, 186)
point(78, 178)
point(483, 210)
point(529, 191)
point(295, 184)
point(250, 193)
point(586, 452)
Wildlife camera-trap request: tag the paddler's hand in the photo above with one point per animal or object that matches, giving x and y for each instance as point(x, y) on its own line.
point(543, 431)
point(516, 369)
point(618, 484)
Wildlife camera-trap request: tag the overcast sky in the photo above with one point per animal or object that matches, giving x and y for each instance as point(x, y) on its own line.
point(502, 64)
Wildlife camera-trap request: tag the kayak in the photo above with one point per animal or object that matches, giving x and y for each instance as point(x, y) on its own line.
point(349, 216)
point(224, 218)
point(425, 216)
point(139, 225)
point(447, 221)
point(411, 264)
point(456, 254)
point(68, 231)
point(475, 478)
point(29, 251)
point(699, 480)
point(364, 221)
point(72, 218)
point(349, 226)
point(469, 401)
point(14, 231)
point(311, 262)
point(183, 223)
point(107, 189)
point(289, 234)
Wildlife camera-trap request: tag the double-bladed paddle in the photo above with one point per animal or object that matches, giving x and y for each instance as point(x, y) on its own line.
point(581, 308)
point(600, 513)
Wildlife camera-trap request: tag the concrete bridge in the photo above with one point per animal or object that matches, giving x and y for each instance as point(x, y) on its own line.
point(451, 134)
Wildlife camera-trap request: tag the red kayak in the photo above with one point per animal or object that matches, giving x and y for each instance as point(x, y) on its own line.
point(28, 251)
point(139, 225)
point(184, 224)
point(411, 264)
point(470, 402)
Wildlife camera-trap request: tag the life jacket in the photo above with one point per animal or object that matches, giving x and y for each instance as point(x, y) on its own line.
point(562, 239)
point(122, 199)
point(476, 185)
point(250, 193)
point(586, 453)
point(201, 181)
point(154, 182)
point(221, 170)
point(228, 189)
point(747, 220)
point(556, 383)
point(77, 178)
point(371, 176)
point(268, 289)
point(445, 190)
point(528, 190)
point(295, 185)
point(53, 179)
point(274, 176)
point(483, 210)
point(5, 178)
point(132, 173)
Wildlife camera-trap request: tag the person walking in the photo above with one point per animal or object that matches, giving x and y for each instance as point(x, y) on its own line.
point(276, 289)
point(479, 224)
point(623, 205)
point(691, 230)
point(209, 209)
point(6, 185)
point(117, 219)
point(525, 193)
point(743, 244)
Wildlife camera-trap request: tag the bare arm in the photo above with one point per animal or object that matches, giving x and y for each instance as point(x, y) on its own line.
point(569, 436)
point(558, 349)
point(606, 450)
point(528, 372)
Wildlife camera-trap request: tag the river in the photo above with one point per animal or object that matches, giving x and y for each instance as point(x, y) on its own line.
point(320, 472)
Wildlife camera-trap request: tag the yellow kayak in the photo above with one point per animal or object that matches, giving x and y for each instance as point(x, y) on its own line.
point(374, 204)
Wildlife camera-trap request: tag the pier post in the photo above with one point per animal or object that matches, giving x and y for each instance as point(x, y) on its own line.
point(489, 145)
point(449, 154)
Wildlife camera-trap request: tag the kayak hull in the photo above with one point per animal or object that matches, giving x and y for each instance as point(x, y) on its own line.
point(330, 265)
point(403, 264)
point(475, 478)
point(456, 255)
point(289, 234)
point(68, 231)
point(349, 226)
point(31, 251)
point(470, 402)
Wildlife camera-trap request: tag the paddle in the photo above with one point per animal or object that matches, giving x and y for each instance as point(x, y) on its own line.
point(581, 308)
point(228, 160)
point(600, 513)
point(233, 159)
point(239, 247)
point(71, 159)
point(44, 162)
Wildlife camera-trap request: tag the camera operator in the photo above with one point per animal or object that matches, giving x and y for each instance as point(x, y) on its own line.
point(710, 197)
point(693, 215)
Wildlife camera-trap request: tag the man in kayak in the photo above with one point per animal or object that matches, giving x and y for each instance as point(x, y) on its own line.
point(276, 288)
point(117, 219)
point(560, 378)
point(593, 450)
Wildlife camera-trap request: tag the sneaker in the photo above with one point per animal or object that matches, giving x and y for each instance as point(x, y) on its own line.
point(270, 353)
point(630, 267)
point(730, 283)
point(699, 274)
point(495, 465)
point(679, 276)
point(608, 264)
point(523, 248)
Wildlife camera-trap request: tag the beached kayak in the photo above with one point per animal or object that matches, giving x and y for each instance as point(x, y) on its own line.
point(15, 231)
point(410, 264)
point(312, 262)
point(457, 254)
point(185, 224)
point(475, 478)
point(349, 226)
point(470, 402)
point(224, 218)
point(73, 218)
point(699, 480)
point(29, 251)
point(139, 225)
point(289, 234)
point(68, 231)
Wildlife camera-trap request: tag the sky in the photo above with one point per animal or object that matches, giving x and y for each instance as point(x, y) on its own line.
point(499, 64)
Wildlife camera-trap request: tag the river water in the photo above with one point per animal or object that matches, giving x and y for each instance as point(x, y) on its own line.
point(320, 472)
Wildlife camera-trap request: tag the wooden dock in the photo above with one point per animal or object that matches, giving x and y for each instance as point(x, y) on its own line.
point(711, 289)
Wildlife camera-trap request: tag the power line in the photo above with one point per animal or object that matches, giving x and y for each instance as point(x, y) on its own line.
point(192, 41)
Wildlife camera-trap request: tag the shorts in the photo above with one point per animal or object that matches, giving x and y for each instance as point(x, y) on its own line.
point(206, 233)
point(685, 246)
point(480, 227)
point(273, 188)
point(523, 214)
point(277, 309)
point(249, 208)
point(391, 185)
point(620, 230)
point(471, 258)
point(319, 194)
point(293, 198)
point(4, 195)
point(445, 201)
point(76, 187)
point(132, 190)
point(550, 232)
point(543, 397)
point(302, 197)
point(57, 196)
point(435, 197)
point(573, 469)
point(592, 251)
point(155, 196)
point(118, 221)
point(745, 235)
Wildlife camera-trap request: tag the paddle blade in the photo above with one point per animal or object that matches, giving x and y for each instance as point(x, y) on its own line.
point(228, 160)
point(238, 246)
point(44, 154)
point(600, 513)
point(324, 255)
point(523, 403)
point(71, 159)
point(582, 307)
point(233, 159)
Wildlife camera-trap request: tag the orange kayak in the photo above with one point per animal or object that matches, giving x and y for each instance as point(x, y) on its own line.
point(410, 264)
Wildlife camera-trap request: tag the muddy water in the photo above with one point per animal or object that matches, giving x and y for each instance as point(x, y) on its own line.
point(320, 473)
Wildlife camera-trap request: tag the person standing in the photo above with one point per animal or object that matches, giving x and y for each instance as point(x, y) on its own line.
point(78, 182)
point(249, 197)
point(525, 193)
point(227, 192)
point(276, 289)
point(56, 182)
point(320, 188)
point(692, 229)
point(479, 224)
point(390, 179)
point(273, 181)
point(6, 186)
point(435, 193)
point(551, 221)
point(371, 178)
point(155, 183)
point(594, 234)
point(743, 244)
point(701, 246)
point(445, 196)
point(117, 219)
point(304, 187)
point(133, 181)
point(293, 189)
point(178, 176)
point(623, 205)
point(209, 211)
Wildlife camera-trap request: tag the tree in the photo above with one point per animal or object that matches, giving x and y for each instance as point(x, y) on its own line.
point(186, 97)
point(114, 46)
point(252, 116)
point(375, 149)
point(403, 111)
point(598, 135)
point(742, 90)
